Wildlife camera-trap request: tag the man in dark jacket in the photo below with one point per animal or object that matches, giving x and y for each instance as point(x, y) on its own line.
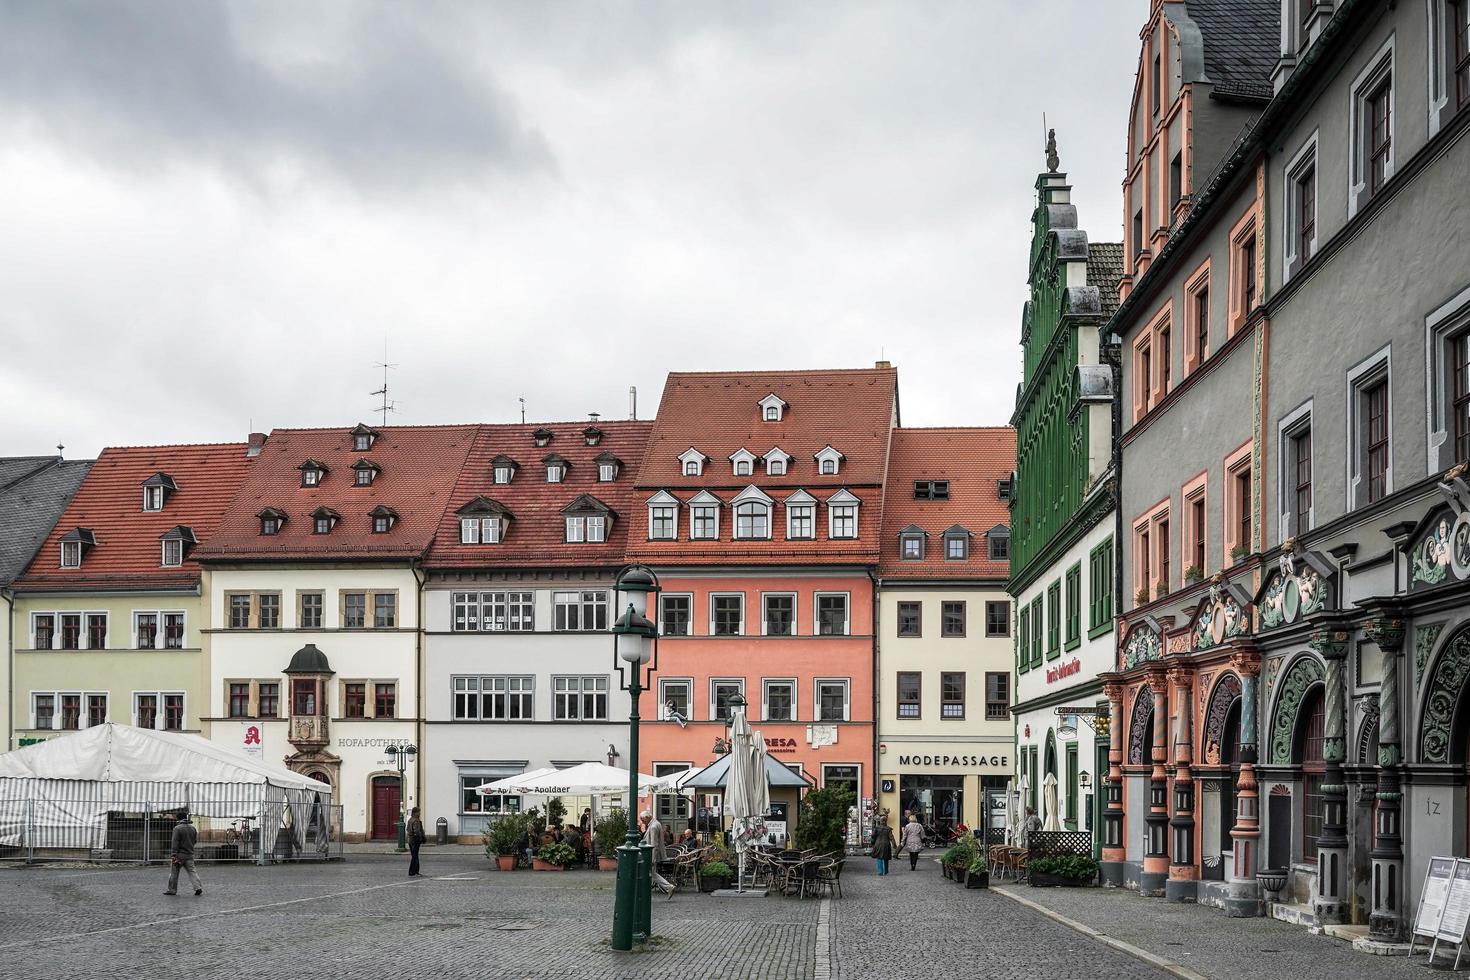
point(181, 855)
point(415, 839)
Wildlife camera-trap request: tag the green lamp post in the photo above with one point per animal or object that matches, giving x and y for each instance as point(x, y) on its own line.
point(635, 657)
point(402, 755)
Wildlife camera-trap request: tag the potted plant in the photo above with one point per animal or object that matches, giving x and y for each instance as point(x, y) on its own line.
point(610, 832)
point(555, 856)
point(500, 839)
point(1140, 598)
point(1062, 870)
point(714, 875)
point(948, 860)
point(1239, 552)
point(1193, 574)
point(978, 875)
point(556, 812)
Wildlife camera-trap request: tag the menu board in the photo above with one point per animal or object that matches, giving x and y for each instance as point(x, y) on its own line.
point(1434, 895)
point(1457, 905)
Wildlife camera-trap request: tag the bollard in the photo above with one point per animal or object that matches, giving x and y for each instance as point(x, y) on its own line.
point(441, 831)
point(643, 916)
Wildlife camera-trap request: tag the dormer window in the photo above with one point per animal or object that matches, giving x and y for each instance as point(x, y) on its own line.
point(323, 520)
point(956, 544)
point(312, 473)
point(801, 516)
point(482, 521)
point(74, 546)
point(778, 462)
point(842, 515)
point(175, 544)
point(542, 437)
point(592, 434)
point(773, 409)
point(271, 521)
point(556, 468)
point(911, 543)
point(691, 462)
point(156, 490)
point(829, 461)
point(587, 520)
point(931, 489)
point(1003, 489)
point(663, 517)
point(383, 519)
point(504, 469)
point(608, 466)
point(364, 472)
point(752, 514)
point(363, 438)
point(743, 461)
point(998, 543)
point(704, 517)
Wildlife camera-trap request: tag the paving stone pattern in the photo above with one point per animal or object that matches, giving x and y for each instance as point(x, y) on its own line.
point(1209, 942)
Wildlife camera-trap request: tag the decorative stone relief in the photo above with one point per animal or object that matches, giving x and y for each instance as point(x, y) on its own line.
point(1142, 646)
point(1424, 638)
point(1219, 618)
point(1139, 751)
point(1304, 671)
point(1224, 696)
point(1445, 683)
point(1367, 708)
point(1430, 559)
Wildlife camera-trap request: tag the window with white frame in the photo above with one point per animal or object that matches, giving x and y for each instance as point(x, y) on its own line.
point(555, 472)
point(829, 461)
point(1370, 128)
point(579, 698)
point(778, 613)
point(1370, 424)
point(607, 472)
point(1295, 482)
point(1300, 226)
point(504, 472)
point(494, 612)
point(663, 522)
point(691, 467)
point(675, 614)
point(479, 530)
point(691, 462)
point(779, 697)
point(831, 699)
point(911, 546)
point(842, 520)
point(153, 498)
point(832, 614)
point(776, 466)
point(727, 614)
point(591, 528)
point(675, 697)
point(801, 510)
point(1447, 334)
point(163, 710)
point(742, 467)
point(722, 690)
point(494, 698)
point(71, 554)
point(583, 612)
point(704, 522)
point(752, 519)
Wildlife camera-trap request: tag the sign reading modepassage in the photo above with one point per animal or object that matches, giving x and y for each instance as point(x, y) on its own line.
point(955, 761)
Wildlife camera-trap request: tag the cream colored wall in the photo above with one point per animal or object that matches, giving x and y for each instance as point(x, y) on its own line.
point(120, 670)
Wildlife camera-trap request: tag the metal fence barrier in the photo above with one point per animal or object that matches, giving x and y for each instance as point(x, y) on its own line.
point(1053, 843)
point(82, 830)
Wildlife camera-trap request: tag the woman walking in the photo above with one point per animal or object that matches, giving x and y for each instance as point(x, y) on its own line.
point(882, 845)
point(912, 841)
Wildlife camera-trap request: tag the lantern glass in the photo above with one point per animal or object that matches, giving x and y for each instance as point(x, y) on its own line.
point(633, 648)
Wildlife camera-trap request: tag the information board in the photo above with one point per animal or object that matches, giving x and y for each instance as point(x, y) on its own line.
point(1433, 896)
point(1456, 918)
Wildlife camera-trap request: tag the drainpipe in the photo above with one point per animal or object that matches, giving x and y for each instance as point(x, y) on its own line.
point(418, 695)
point(877, 707)
point(9, 595)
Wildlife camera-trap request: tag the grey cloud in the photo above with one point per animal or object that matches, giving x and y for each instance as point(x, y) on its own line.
point(133, 81)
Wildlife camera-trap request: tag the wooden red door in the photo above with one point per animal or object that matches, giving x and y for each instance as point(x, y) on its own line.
point(385, 807)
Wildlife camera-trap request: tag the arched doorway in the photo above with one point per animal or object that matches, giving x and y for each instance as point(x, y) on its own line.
point(1047, 817)
point(1309, 757)
point(385, 796)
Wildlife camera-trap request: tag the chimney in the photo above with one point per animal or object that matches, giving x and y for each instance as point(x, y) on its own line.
point(883, 364)
point(632, 403)
point(254, 444)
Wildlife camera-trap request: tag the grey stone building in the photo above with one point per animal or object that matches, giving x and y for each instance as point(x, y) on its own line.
point(1296, 638)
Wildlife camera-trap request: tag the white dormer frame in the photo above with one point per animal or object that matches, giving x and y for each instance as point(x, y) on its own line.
point(829, 461)
point(838, 506)
point(773, 408)
point(781, 460)
point(803, 504)
point(742, 458)
point(748, 500)
point(694, 457)
point(698, 505)
point(663, 500)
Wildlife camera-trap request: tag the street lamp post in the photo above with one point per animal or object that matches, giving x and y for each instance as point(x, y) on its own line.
point(635, 657)
point(402, 755)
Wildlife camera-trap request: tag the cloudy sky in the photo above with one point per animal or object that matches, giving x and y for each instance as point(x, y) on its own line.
point(215, 215)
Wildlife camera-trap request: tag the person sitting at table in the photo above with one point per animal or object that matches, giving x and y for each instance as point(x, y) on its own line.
point(572, 837)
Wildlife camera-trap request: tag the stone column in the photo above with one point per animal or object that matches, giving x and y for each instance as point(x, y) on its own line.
point(1183, 875)
point(1244, 893)
point(1156, 853)
point(1385, 921)
point(1332, 847)
point(1114, 851)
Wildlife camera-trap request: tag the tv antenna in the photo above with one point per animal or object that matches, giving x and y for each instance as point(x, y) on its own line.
point(385, 406)
point(522, 400)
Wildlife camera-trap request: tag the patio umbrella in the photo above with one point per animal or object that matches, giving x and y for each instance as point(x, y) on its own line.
point(747, 796)
point(585, 779)
point(1049, 801)
point(1019, 833)
point(511, 784)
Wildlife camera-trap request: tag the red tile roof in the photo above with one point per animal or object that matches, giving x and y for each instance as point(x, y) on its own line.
point(536, 534)
point(419, 466)
point(718, 414)
point(972, 460)
point(128, 552)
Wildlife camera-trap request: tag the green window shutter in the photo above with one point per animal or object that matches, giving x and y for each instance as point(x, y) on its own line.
point(1074, 606)
point(1036, 625)
point(1023, 641)
point(1053, 621)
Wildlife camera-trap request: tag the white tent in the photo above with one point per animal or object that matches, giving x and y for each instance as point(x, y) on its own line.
point(61, 793)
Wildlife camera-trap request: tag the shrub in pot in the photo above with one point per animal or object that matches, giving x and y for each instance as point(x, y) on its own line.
point(500, 839)
point(1193, 574)
point(948, 860)
point(554, 857)
point(714, 875)
point(610, 833)
point(978, 873)
point(1062, 869)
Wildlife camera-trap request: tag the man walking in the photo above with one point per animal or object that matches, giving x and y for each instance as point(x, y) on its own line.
point(181, 855)
point(653, 836)
point(415, 839)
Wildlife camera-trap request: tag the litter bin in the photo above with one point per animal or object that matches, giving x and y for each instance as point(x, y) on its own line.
point(441, 831)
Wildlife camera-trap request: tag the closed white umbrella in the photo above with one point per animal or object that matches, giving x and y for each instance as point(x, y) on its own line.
point(747, 797)
point(1019, 833)
point(1049, 801)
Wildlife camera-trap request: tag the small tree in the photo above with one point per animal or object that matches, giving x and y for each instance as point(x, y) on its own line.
point(823, 817)
point(556, 812)
point(500, 836)
point(612, 830)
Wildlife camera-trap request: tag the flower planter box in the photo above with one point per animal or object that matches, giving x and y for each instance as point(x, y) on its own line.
point(539, 865)
point(505, 862)
point(710, 883)
point(977, 879)
point(607, 863)
point(1043, 880)
point(946, 870)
